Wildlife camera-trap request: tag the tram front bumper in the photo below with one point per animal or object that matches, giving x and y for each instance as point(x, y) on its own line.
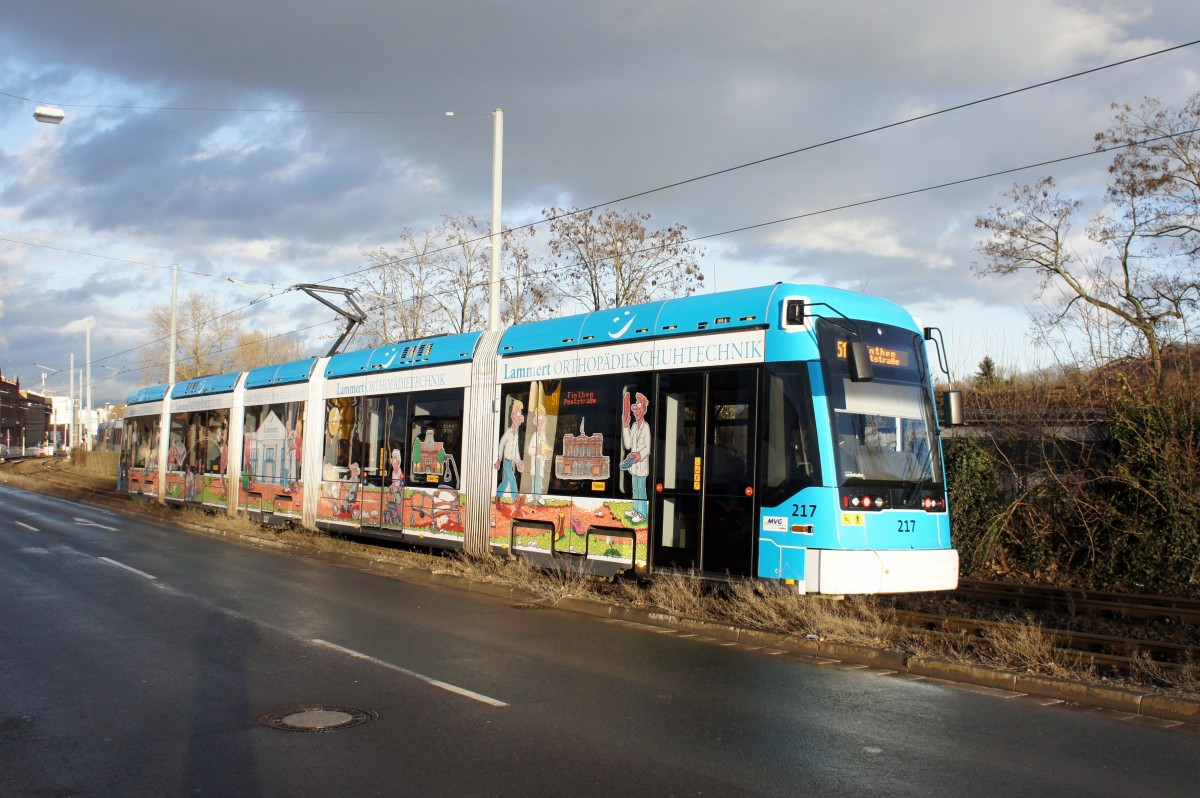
point(894, 571)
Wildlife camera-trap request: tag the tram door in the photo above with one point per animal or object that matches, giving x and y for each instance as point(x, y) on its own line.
point(383, 445)
point(704, 470)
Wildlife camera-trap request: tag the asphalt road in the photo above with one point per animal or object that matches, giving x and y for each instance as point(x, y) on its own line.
point(138, 659)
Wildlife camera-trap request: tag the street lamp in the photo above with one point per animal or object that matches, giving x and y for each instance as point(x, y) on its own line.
point(174, 322)
point(497, 181)
point(49, 114)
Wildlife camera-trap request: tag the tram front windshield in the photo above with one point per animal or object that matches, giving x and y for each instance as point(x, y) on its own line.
point(883, 428)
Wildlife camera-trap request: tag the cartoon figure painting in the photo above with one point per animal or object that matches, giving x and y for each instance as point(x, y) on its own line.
point(391, 513)
point(176, 455)
point(635, 437)
point(297, 442)
point(510, 453)
point(223, 458)
point(347, 507)
point(397, 470)
point(541, 452)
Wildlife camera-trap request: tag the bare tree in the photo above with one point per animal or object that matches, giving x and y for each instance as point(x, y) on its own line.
point(526, 294)
point(397, 286)
point(206, 333)
point(256, 348)
point(1155, 188)
point(460, 286)
point(436, 281)
point(611, 259)
point(1139, 271)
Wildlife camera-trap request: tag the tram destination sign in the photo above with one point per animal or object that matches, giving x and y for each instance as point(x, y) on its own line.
point(880, 355)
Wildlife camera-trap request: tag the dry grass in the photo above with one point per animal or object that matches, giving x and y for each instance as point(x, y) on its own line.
point(677, 593)
point(1184, 678)
point(549, 586)
point(99, 464)
point(1025, 646)
point(856, 619)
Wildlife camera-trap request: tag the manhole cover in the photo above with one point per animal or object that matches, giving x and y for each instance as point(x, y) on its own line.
point(316, 718)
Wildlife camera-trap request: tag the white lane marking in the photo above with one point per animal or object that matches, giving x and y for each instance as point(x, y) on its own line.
point(85, 522)
point(129, 568)
point(436, 683)
point(27, 526)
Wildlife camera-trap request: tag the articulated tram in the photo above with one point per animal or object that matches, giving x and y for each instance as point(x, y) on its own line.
point(786, 433)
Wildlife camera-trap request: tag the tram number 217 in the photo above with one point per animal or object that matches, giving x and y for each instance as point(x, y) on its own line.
point(804, 510)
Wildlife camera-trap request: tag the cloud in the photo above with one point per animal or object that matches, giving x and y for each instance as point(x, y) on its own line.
point(872, 238)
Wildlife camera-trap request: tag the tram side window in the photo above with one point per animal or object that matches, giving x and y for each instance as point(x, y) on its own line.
point(128, 444)
point(732, 404)
point(436, 422)
point(569, 437)
point(533, 432)
point(272, 442)
point(340, 415)
point(585, 444)
point(216, 433)
point(198, 440)
point(791, 440)
point(510, 455)
point(369, 435)
point(142, 442)
point(177, 448)
point(195, 442)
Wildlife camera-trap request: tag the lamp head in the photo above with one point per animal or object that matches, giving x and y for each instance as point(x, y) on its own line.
point(49, 114)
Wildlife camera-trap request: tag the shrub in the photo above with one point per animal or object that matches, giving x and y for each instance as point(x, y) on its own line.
point(976, 503)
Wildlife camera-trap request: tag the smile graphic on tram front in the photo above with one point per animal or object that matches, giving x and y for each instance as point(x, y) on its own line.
point(624, 329)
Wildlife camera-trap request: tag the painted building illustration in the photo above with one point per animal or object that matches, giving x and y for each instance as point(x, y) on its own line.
point(429, 456)
point(582, 456)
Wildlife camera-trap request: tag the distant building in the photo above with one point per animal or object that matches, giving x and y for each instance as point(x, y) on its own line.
point(24, 417)
point(61, 416)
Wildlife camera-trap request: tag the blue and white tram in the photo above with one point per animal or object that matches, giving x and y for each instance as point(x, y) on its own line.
point(786, 432)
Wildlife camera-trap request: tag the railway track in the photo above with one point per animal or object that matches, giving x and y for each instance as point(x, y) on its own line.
point(1107, 652)
point(1073, 601)
point(1113, 632)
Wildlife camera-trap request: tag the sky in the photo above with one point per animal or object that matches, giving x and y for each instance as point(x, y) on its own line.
point(274, 142)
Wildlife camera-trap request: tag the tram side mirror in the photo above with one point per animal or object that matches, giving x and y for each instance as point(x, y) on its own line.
point(794, 313)
point(860, 362)
point(953, 410)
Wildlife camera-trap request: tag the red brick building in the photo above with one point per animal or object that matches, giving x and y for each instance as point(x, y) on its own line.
point(24, 416)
